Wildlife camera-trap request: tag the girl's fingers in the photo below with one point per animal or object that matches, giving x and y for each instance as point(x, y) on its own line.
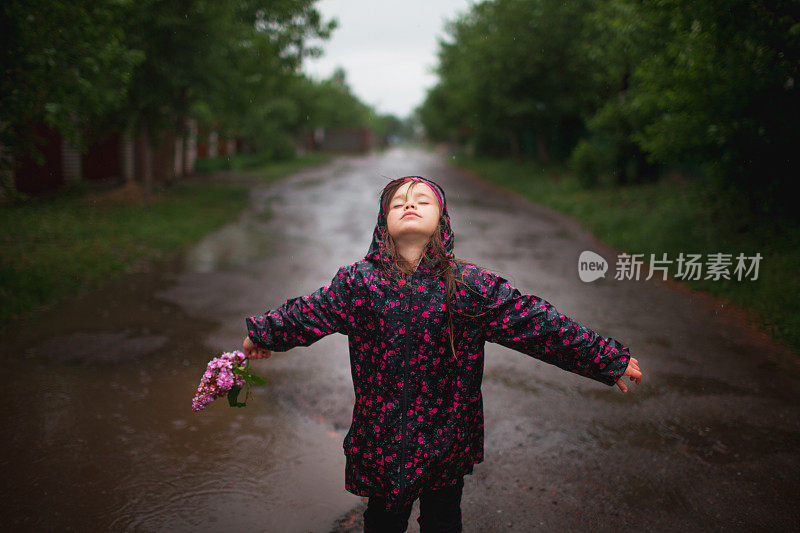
point(634, 375)
point(633, 372)
point(622, 386)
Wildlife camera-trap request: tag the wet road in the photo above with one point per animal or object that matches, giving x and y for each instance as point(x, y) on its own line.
point(98, 431)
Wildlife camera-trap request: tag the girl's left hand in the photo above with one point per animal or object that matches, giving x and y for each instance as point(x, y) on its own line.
point(632, 371)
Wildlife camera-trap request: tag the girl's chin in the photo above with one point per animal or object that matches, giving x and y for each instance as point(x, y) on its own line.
point(410, 229)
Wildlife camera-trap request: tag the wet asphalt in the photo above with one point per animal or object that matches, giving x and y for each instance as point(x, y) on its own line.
point(98, 431)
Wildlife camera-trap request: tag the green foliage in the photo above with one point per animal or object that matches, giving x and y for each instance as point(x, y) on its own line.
point(709, 85)
point(330, 103)
point(233, 396)
point(86, 68)
point(263, 163)
point(248, 375)
point(614, 152)
point(249, 378)
point(386, 125)
point(512, 68)
point(588, 161)
point(721, 91)
point(65, 64)
point(231, 55)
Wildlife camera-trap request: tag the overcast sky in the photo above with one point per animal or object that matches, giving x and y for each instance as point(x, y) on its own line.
point(387, 47)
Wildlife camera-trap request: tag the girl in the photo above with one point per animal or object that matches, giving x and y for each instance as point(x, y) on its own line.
point(417, 318)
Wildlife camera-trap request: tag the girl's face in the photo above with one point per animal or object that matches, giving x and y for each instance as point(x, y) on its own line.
point(413, 214)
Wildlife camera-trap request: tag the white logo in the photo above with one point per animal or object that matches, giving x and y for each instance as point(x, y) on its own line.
point(591, 266)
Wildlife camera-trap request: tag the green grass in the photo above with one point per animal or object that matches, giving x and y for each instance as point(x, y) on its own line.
point(259, 166)
point(673, 216)
point(54, 247)
point(284, 168)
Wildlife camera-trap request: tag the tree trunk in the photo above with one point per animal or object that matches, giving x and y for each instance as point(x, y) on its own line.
point(190, 150)
point(128, 161)
point(147, 174)
point(541, 147)
point(513, 137)
point(179, 147)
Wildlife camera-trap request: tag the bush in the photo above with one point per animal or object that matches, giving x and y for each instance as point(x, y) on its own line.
point(588, 160)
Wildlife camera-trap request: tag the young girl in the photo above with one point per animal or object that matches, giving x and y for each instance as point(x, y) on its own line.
point(417, 319)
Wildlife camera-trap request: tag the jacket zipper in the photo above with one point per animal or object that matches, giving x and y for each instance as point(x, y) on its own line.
point(405, 397)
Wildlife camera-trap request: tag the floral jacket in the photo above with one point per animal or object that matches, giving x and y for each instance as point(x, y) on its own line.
point(418, 413)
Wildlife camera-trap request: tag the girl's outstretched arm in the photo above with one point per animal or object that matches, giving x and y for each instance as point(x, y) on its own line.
point(306, 319)
point(531, 325)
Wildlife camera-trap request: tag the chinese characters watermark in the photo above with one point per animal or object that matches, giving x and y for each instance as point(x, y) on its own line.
point(714, 266)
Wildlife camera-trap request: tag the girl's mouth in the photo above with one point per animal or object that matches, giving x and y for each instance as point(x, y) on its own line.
point(410, 213)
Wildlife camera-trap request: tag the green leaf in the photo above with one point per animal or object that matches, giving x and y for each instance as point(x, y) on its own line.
point(253, 379)
point(233, 395)
point(248, 375)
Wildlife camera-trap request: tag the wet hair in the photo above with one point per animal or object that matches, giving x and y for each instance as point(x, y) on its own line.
point(443, 265)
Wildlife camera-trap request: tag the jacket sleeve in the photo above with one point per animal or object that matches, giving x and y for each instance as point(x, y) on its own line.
point(304, 320)
point(531, 325)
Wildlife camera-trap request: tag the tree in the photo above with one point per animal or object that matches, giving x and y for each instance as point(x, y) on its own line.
point(723, 93)
point(224, 56)
point(64, 64)
point(618, 35)
point(330, 103)
point(515, 74)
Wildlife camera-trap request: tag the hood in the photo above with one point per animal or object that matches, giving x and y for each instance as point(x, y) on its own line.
point(378, 254)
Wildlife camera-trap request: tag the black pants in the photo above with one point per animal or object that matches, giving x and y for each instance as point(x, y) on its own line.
point(439, 511)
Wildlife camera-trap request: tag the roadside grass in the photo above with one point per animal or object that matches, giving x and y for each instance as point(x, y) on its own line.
point(254, 165)
point(673, 216)
point(57, 246)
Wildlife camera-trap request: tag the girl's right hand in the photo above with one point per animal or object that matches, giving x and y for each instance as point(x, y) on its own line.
point(634, 373)
point(251, 351)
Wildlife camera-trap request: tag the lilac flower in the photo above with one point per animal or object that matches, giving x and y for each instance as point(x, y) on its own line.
point(218, 379)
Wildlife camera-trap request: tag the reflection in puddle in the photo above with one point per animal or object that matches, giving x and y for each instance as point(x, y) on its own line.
point(235, 245)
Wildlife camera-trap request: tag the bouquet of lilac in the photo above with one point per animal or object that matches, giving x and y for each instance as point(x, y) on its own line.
point(225, 375)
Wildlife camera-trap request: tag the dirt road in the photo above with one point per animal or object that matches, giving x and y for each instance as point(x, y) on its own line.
point(98, 432)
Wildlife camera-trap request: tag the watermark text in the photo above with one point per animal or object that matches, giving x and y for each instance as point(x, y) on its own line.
point(686, 266)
